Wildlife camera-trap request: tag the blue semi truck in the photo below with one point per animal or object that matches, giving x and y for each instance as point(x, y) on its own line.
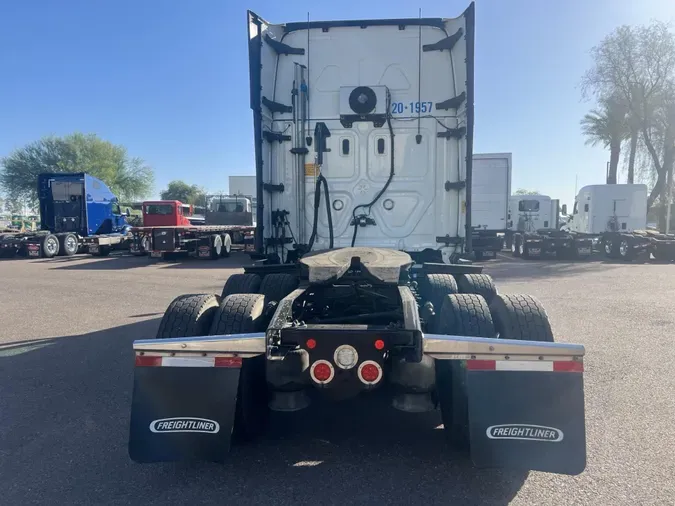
point(78, 213)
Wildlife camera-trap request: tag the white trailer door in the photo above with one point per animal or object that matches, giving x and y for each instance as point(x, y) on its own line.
point(491, 187)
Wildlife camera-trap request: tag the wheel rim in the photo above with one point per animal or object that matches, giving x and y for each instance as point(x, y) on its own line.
point(51, 245)
point(513, 247)
point(623, 248)
point(70, 243)
point(145, 244)
point(608, 248)
point(521, 248)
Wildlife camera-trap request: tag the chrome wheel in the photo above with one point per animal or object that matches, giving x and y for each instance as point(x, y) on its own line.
point(71, 243)
point(608, 247)
point(624, 249)
point(51, 245)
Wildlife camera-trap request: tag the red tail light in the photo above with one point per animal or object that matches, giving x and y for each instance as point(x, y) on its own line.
point(322, 372)
point(370, 372)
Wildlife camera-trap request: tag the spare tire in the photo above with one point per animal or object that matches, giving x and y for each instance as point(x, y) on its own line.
point(520, 317)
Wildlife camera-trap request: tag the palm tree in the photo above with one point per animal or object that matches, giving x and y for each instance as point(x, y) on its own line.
point(608, 126)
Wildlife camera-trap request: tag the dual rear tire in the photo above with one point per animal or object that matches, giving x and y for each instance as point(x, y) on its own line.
point(519, 317)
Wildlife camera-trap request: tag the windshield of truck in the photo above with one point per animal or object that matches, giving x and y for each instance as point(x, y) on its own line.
point(227, 207)
point(159, 209)
point(528, 206)
point(63, 190)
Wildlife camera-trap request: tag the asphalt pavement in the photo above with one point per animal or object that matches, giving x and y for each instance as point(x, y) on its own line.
point(66, 371)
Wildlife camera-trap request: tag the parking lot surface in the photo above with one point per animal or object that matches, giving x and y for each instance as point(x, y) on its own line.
point(66, 370)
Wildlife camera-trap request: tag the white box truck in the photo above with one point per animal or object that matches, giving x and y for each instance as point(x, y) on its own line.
point(490, 192)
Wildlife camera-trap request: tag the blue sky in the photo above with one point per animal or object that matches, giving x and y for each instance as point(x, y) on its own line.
point(169, 78)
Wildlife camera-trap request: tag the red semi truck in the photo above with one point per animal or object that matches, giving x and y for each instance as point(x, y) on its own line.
point(167, 230)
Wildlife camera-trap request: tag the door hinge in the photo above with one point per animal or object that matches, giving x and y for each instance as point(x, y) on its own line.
point(454, 185)
point(275, 136)
point(452, 103)
point(452, 133)
point(276, 106)
point(272, 188)
point(282, 48)
point(446, 43)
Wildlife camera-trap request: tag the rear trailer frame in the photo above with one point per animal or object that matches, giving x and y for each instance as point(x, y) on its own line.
point(202, 241)
point(361, 321)
point(30, 244)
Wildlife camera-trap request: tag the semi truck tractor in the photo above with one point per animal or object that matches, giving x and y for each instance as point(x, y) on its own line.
point(491, 189)
point(368, 124)
point(78, 212)
point(169, 230)
point(610, 217)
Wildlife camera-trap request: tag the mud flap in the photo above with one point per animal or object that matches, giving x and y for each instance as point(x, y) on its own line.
point(182, 413)
point(527, 420)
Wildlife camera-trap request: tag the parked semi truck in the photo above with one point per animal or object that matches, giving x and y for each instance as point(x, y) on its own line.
point(491, 189)
point(364, 299)
point(78, 212)
point(613, 217)
point(168, 230)
point(528, 214)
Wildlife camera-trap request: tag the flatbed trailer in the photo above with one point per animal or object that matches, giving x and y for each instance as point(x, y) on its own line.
point(202, 241)
point(45, 244)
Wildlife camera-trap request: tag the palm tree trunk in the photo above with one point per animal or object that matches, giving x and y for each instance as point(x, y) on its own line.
point(614, 153)
point(631, 157)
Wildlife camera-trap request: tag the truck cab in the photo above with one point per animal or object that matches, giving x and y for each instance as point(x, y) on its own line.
point(609, 208)
point(229, 210)
point(166, 213)
point(529, 213)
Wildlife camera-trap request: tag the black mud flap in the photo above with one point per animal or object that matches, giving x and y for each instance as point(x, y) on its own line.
point(530, 420)
point(182, 413)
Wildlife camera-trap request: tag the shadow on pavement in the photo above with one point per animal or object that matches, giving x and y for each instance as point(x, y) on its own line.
point(120, 262)
point(64, 415)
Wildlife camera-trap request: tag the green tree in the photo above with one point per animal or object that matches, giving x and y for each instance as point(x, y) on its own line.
point(128, 177)
point(187, 194)
point(607, 126)
point(638, 65)
point(523, 191)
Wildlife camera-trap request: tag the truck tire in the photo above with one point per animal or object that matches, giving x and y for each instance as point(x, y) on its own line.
point(68, 245)
point(216, 247)
point(625, 249)
point(517, 245)
point(241, 283)
point(465, 315)
point(520, 317)
point(480, 284)
point(50, 246)
point(611, 248)
point(227, 245)
point(242, 313)
point(478, 255)
point(276, 286)
point(188, 316)
point(435, 287)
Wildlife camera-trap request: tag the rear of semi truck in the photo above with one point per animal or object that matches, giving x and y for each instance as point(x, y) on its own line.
point(363, 137)
point(363, 134)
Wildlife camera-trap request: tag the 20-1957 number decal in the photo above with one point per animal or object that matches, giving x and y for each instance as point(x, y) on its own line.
point(411, 107)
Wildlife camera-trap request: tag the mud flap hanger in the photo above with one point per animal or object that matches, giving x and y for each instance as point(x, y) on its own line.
point(519, 403)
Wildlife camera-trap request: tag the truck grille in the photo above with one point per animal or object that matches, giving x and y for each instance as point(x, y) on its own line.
point(163, 239)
